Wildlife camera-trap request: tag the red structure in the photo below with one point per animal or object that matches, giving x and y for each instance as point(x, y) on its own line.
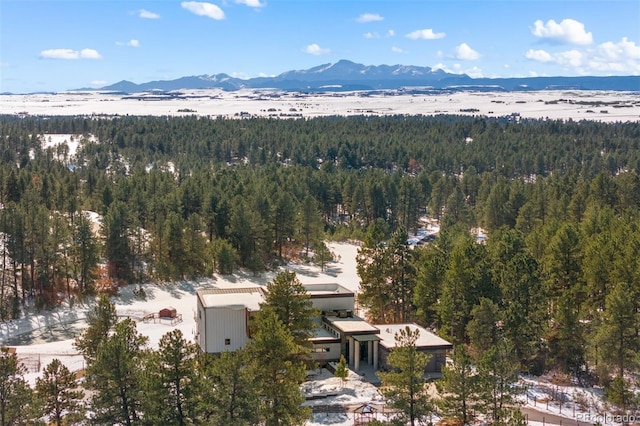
point(168, 313)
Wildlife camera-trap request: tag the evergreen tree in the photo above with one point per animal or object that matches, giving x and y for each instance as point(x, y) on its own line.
point(465, 281)
point(100, 320)
point(58, 390)
point(323, 255)
point(498, 376)
point(283, 217)
point(459, 388)
point(616, 334)
point(16, 397)
point(431, 262)
point(566, 337)
point(115, 230)
point(289, 300)
point(277, 372)
point(342, 371)
point(401, 275)
point(171, 385)
point(521, 302)
point(84, 254)
point(116, 375)
point(230, 395)
point(404, 386)
point(483, 330)
point(225, 256)
point(309, 222)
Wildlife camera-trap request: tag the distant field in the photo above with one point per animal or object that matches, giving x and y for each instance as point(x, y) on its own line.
point(576, 105)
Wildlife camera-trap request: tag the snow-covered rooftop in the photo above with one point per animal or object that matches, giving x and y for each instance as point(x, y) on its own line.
point(426, 339)
point(232, 298)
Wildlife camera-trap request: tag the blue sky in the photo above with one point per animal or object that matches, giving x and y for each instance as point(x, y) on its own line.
point(54, 45)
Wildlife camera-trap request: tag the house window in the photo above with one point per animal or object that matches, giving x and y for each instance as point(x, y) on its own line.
point(227, 342)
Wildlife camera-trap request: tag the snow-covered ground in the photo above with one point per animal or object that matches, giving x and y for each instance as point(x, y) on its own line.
point(559, 104)
point(44, 336)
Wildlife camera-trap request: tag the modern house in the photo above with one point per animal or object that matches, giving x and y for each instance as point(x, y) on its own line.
point(223, 316)
point(428, 343)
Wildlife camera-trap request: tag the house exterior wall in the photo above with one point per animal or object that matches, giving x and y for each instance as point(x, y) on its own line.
point(338, 303)
point(222, 329)
point(436, 361)
point(324, 352)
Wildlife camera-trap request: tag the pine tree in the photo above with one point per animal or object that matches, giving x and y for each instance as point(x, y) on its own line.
point(100, 320)
point(521, 302)
point(16, 397)
point(277, 371)
point(115, 376)
point(226, 257)
point(171, 384)
point(459, 388)
point(483, 327)
point(466, 279)
point(323, 255)
point(58, 390)
point(84, 254)
point(498, 376)
point(342, 372)
point(287, 297)
point(402, 276)
point(115, 229)
point(230, 395)
point(404, 386)
point(309, 222)
point(616, 335)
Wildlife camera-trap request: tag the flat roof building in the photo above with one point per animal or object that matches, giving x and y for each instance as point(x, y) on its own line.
point(223, 316)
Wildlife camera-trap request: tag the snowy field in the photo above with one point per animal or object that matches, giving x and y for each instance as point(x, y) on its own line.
point(559, 104)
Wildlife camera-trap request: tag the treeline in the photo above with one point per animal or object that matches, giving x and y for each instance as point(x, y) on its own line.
point(557, 282)
point(558, 279)
point(127, 383)
point(182, 197)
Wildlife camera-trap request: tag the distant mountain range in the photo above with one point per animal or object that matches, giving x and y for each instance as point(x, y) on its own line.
point(345, 75)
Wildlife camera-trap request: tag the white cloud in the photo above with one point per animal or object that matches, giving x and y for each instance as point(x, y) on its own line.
point(391, 33)
point(314, 49)
point(567, 31)
point(426, 34)
point(474, 72)
point(130, 43)
point(466, 53)
point(538, 55)
point(570, 58)
point(369, 17)
point(70, 54)
point(609, 57)
point(251, 3)
point(145, 14)
point(204, 9)
point(623, 56)
point(395, 49)
point(371, 35)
